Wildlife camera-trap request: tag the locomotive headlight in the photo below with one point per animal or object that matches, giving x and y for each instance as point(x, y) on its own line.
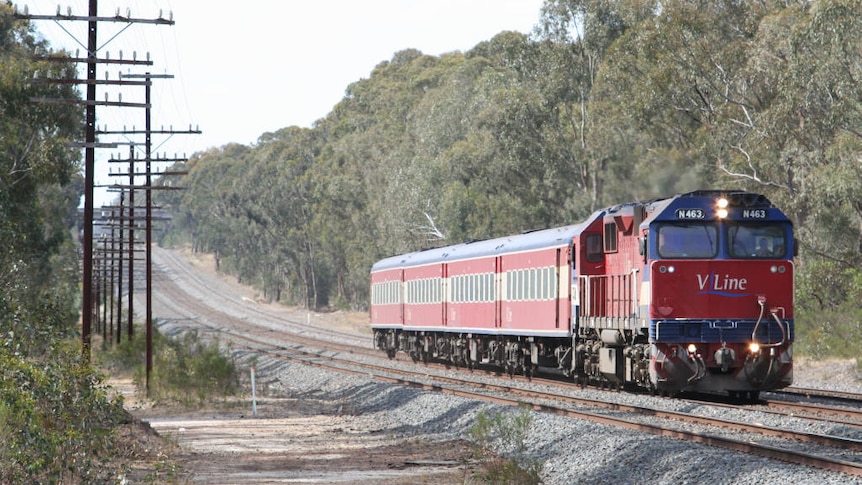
point(721, 204)
point(754, 348)
point(692, 349)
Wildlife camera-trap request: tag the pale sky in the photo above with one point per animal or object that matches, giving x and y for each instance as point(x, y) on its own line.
point(245, 68)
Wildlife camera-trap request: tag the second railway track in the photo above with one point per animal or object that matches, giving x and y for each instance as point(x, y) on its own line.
point(260, 331)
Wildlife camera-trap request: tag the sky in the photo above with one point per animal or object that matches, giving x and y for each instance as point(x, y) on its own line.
point(242, 69)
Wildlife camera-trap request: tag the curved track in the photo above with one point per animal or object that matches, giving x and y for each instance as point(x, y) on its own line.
point(185, 300)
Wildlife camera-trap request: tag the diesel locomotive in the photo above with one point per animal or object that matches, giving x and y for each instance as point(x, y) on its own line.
point(692, 292)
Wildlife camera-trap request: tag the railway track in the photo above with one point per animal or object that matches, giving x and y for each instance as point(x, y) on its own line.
point(255, 330)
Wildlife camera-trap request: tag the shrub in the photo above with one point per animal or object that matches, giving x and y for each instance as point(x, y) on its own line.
point(187, 369)
point(507, 433)
point(56, 421)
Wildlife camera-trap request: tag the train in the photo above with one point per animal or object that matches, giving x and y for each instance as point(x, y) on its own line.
point(690, 293)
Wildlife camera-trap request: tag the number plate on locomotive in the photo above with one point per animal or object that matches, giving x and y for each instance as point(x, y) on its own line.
point(690, 214)
point(754, 214)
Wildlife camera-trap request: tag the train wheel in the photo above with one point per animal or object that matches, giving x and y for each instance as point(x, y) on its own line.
point(390, 352)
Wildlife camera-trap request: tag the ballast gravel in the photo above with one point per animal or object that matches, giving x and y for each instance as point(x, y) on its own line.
point(569, 451)
point(566, 450)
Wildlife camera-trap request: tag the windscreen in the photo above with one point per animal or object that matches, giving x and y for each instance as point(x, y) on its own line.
point(756, 241)
point(692, 240)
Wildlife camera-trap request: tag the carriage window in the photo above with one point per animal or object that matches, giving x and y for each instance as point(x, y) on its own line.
point(534, 284)
point(756, 241)
point(695, 241)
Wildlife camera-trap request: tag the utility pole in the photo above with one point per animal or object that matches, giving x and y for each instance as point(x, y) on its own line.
point(90, 144)
point(148, 189)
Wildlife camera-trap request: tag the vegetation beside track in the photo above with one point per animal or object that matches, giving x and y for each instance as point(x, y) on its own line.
point(187, 369)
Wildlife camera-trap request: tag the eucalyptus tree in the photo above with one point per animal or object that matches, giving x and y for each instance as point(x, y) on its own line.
point(803, 143)
point(369, 137)
point(277, 199)
point(209, 197)
point(810, 130)
point(36, 169)
point(573, 39)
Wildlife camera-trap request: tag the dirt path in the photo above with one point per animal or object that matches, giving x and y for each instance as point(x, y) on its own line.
point(289, 440)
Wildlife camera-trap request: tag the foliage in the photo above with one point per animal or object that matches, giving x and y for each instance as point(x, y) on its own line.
point(56, 421)
point(829, 306)
point(606, 101)
point(187, 369)
point(508, 433)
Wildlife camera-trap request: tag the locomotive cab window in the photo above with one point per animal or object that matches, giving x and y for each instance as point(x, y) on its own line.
point(610, 237)
point(688, 241)
point(594, 250)
point(753, 241)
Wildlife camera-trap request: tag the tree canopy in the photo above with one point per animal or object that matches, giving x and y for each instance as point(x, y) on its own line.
point(607, 101)
point(55, 420)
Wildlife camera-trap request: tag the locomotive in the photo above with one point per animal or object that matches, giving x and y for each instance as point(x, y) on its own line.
point(688, 293)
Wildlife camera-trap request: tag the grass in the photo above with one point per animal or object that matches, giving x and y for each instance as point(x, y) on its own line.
point(189, 370)
point(507, 433)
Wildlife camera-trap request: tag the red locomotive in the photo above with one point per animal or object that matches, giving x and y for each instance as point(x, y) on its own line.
point(688, 293)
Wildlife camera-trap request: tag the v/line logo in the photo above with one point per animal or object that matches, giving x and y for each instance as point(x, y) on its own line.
point(724, 285)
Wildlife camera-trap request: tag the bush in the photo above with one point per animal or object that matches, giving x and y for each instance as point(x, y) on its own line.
point(827, 311)
point(56, 421)
point(186, 369)
point(507, 433)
